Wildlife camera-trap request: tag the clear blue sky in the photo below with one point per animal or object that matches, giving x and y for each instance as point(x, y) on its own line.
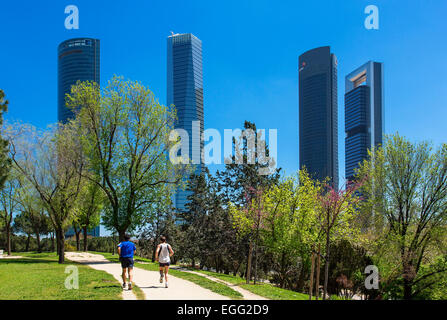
point(250, 57)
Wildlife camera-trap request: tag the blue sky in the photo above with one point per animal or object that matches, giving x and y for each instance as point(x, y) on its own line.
point(250, 57)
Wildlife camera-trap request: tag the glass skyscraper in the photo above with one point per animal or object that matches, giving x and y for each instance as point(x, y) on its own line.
point(185, 92)
point(364, 113)
point(78, 59)
point(318, 133)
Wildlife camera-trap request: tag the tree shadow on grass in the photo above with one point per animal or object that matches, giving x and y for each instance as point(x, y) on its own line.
point(25, 261)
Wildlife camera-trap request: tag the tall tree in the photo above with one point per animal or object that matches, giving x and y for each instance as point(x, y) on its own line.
point(407, 188)
point(51, 161)
point(23, 224)
point(336, 216)
point(5, 161)
point(32, 210)
point(290, 229)
point(249, 221)
point(9, 201)
point(88, 209)
point(126, 139)
point(241, 180)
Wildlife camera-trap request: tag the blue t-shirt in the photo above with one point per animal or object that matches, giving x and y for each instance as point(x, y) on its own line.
point(127, 249)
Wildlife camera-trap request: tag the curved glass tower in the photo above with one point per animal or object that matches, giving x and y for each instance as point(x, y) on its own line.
point(318, 133)
point(77, 59)
point(364, 114)
point(185, 92)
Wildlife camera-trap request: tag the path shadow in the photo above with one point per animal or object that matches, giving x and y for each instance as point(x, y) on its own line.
point(151, 287)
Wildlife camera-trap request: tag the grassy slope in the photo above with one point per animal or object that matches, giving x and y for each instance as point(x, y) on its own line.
point(265, 290)
point(216, 287)
point(40, 277)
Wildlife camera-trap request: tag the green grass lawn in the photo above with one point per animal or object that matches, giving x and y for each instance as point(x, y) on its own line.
point(264, 290)
point(38, 276)
point(216, 287)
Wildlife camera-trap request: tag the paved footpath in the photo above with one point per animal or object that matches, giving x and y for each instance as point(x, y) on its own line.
point(247, 295)
point(148, 281)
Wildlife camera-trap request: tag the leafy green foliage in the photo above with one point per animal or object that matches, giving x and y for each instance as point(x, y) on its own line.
point(5, 161)
point(125, 136)
point(407, 202)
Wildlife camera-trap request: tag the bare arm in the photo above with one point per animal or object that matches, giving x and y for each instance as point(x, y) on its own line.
point(156, 252)
point(171, 252)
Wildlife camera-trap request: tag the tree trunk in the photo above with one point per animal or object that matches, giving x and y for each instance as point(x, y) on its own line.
point(283, 275)
point(78, 241)
point(52, 242)
point(193, 263)
point(326, 268)
point(8, 239)
point(154, 250)
point(407, 289)
point(121, 235)
point(311, 282)
point(248, 272)
point(85, 240)
point(39, 249)
point(317, 281)
point(256, 259)
point(60, 245)
point(27, 243)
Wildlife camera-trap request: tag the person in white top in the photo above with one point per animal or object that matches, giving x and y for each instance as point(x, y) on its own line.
point(163, 255)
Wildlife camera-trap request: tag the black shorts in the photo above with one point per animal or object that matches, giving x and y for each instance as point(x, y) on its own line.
point(161, 264)
point(126, 262)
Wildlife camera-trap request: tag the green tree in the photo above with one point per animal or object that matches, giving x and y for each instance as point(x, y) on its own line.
point(407, 192)
point(241, 182)
point(125, 136)
point(192, 220)
point(51, 161)
point(88, 209)
point(22, 224)
point(9, 201)
point(5, 161)
point(33, 218)
point(290, 226)
point(336, 215)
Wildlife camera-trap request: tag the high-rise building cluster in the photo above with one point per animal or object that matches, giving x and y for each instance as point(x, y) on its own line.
point(79, 59)
point(318, 114)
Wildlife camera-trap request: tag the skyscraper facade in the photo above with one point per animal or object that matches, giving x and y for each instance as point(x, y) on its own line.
point(78, 59)
point(364, 114)
point(185, 92)
point(318, 133)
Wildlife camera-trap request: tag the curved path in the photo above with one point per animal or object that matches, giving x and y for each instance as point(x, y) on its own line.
point(148, 281)
point(247, 295)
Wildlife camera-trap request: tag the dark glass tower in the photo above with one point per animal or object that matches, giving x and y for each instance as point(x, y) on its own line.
point(318, 113)
point(364, 113)
point(77, 59)
point(185, 92)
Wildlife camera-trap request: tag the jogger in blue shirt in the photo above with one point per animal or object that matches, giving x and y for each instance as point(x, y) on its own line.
point(126, 251)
